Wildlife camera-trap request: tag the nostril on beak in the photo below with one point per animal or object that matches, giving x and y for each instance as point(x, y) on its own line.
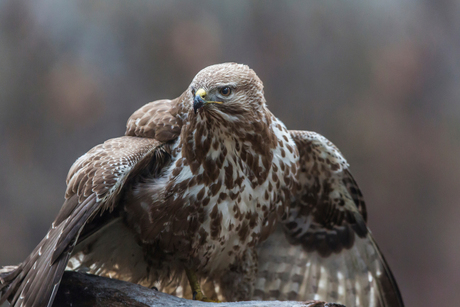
point(201, 92)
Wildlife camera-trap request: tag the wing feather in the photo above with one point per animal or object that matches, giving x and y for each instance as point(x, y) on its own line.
point(324, 242)
point(94, 185)
point(160, 119)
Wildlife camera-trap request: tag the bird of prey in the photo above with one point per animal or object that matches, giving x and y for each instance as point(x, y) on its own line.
point(213, 189)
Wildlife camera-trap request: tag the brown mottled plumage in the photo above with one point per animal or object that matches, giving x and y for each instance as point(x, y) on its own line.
point(213, 182)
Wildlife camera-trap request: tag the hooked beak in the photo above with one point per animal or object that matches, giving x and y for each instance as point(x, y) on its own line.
point(199, 100)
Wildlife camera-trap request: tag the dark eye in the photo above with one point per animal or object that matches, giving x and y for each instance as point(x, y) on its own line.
point(225, 91)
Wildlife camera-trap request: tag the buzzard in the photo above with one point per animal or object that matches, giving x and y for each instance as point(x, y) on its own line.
point(211, 188)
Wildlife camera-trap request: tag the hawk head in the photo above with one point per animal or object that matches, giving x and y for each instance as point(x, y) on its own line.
point(227, 89)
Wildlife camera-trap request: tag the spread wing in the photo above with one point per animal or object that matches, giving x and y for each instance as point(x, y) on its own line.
point(324, 250)
point(95, 184)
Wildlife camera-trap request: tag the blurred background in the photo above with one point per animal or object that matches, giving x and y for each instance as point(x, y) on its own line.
point(380, 79)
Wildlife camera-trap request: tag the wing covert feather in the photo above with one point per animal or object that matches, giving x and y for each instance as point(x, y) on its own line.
point(106, 167)
point(160, 119)
point(323, 215)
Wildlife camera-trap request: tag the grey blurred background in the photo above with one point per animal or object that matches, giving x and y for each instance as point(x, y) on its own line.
point(381, 79)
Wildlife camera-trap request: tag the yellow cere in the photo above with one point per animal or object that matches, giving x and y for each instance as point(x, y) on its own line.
point(202, 93)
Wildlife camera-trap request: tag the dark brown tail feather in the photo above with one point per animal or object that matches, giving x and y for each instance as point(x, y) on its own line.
point(32, 281)
point(35, 281)
point(7, 274)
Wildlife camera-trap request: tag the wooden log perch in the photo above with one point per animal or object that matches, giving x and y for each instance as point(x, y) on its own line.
point(84, 290)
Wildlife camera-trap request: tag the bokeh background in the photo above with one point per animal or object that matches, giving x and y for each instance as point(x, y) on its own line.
point(381, 79)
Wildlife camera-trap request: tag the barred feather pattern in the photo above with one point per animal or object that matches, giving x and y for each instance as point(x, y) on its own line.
point(358, 276)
